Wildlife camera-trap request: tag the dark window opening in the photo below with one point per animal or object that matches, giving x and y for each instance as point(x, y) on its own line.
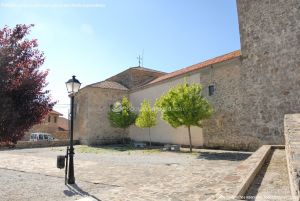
point(49, 118)
point(55, 119)
point(211, 90)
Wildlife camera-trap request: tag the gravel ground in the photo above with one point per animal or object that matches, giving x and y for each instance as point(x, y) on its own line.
point(31, 174)
point(23, 186)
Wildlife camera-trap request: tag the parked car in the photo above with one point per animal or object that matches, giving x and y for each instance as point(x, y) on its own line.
point(41, 137)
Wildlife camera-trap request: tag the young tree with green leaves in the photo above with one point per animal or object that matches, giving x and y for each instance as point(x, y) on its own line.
point(184, 105)
point(146, 117)
point(122, 115)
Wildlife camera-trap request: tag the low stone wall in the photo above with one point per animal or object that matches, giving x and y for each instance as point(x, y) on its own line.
point(248, 170)
point(245, 172)
point(35, 144)
point(292, 147)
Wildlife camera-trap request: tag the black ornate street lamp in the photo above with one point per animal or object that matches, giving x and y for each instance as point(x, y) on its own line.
point(73, 86)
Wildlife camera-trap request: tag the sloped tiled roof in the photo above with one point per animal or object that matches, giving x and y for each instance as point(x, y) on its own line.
point(147, 69)
point(55, 112)
point(194, 67)
point(115, 81)
point(108, 85)
point(134, 77)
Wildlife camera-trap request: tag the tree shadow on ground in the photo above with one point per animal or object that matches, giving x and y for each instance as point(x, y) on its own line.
point(74, 189)
point(231, 156)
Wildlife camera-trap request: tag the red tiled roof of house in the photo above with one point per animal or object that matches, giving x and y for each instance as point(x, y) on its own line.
point(55, 112)
point(109, 85)
point(194, 67)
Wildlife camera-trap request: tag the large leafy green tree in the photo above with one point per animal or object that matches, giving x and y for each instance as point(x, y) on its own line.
point(184, 105)
point(23, 98)
point(122, 115)
point(147, 117)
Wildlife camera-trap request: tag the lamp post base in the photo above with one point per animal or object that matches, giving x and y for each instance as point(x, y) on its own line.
point(71, 181)
point(71, 177)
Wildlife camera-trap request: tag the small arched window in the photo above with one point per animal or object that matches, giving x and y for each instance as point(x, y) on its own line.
point(211, 90)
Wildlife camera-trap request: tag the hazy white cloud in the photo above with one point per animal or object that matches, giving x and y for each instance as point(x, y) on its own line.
point(87, 29)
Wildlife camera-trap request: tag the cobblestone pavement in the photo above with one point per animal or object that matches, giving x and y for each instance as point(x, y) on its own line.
point(31, 174)
point(272, 183)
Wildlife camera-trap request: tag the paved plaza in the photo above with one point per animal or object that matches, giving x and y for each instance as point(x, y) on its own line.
point(104, 174)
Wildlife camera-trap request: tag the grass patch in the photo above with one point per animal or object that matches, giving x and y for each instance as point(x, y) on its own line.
point(151, 151)
point(58, 148)
point(111, 149)
point(118, 148)
point(128, 149)
point(88, 149)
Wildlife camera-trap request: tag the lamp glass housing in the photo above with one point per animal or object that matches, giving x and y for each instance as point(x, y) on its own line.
point(73, 85)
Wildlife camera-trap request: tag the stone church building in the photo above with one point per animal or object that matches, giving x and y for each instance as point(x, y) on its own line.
point(250, 89)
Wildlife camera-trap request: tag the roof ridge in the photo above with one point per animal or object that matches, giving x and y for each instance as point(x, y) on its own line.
point(147, 69)
point(106, 80)
point(197, 66)
point(137, 68)
point(55, 112)
point(117, 85)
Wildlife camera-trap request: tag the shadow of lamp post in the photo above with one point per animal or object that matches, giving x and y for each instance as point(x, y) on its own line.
point(73, 86)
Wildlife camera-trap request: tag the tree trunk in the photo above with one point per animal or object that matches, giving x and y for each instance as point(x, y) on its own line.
point(123, 136)
point(150, 137)
point(190, 137)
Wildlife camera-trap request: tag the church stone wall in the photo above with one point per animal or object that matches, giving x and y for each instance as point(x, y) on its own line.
point(270, 70)
point(221, 130)
point(92, 124)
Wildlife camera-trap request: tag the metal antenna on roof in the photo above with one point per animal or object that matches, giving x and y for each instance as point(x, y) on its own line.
point(143, 58)
point(140, 60)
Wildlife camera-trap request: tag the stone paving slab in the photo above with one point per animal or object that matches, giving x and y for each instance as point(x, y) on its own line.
point(136, 175)
point(247, 171)
point(292, 146)
point(272, 183)
point(243, 176)
point(239, 179)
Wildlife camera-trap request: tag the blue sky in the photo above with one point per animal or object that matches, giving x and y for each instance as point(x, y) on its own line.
point(95, 39)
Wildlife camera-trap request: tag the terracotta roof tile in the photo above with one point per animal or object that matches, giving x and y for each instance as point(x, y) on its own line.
point(55, 112)
point(109, 85)
point(194, 67)
point(147, 69)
